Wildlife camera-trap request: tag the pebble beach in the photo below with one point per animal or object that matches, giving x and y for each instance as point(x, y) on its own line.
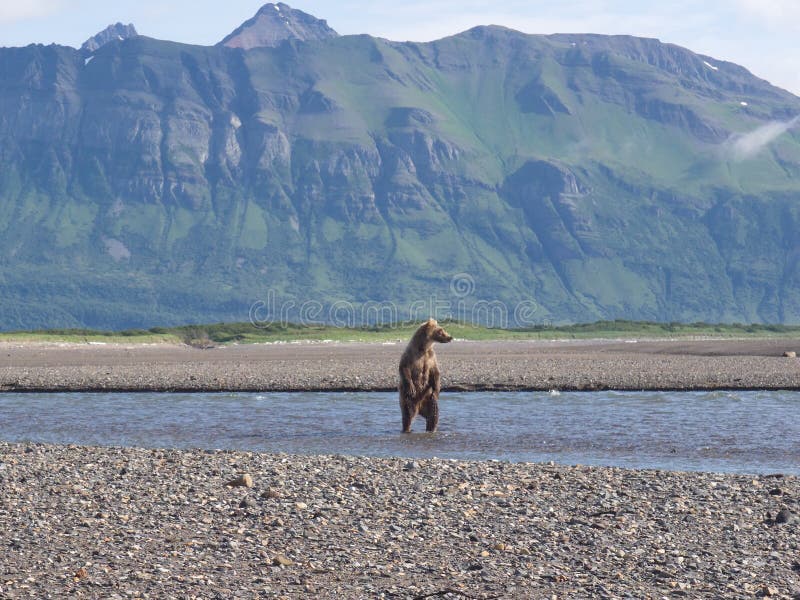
point(465, 366)
point(80, 522)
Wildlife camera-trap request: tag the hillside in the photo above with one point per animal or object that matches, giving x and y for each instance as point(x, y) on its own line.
point(593, 177)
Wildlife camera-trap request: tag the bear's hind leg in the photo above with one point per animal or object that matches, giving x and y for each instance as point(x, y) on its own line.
point(408, 415)
point(432, 416)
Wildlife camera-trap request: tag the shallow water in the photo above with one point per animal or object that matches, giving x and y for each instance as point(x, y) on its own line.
point(751, 432)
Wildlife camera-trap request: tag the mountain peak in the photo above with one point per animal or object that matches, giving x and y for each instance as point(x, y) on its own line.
point(117, 31)
point(273, 24)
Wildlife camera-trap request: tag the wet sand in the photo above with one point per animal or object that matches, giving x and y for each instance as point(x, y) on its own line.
point(500, 365)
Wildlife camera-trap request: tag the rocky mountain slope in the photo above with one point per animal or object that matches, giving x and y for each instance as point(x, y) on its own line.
point(276, 23)
point(114, 32)
point(587, 176)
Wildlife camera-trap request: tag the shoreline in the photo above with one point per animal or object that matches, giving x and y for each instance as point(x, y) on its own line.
point(334, 390)
point(129, 522)
point(572, 365)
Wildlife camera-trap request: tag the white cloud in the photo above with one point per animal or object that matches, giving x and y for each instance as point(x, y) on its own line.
point(11, 12)
point(748, 145)
point(780, 14)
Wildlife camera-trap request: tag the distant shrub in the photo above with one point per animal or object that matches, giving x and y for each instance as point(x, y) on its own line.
point(130, 333)
point(197, 337)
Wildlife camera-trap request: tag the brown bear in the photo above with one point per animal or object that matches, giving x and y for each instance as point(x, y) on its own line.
point(419, 376)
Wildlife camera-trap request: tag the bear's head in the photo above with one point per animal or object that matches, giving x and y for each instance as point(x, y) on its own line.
point(435, 332)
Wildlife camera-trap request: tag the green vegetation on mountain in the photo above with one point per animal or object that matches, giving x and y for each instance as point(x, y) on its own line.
point(205, 336)
point(590, 177)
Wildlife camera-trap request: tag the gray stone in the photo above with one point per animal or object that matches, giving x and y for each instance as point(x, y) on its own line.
point(784, 516)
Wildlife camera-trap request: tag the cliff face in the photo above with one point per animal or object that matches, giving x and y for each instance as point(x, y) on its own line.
point(590, 176)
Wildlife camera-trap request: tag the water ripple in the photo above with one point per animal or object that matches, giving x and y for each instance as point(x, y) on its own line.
point(753, 432)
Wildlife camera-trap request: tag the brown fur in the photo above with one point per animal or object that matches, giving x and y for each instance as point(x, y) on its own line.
point(419, 376)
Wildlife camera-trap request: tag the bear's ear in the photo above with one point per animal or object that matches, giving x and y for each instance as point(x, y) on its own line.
point(432, 322)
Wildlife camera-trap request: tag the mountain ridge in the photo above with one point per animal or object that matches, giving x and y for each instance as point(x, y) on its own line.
point(589, 176)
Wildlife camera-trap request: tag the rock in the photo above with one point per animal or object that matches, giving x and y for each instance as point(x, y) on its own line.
point(790, 354)
point(271, 492)
point(81, 574)
point(300, 505)
point(784, 516)
point(243, 480)
point(776, 492)
point(282, 561)
point(247, 502)
point(411, 465)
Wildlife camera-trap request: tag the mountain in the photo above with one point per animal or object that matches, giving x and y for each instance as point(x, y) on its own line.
point(576, 176)
point(275, 23)
point(118, 31)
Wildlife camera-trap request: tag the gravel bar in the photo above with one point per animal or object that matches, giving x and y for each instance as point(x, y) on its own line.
point(502, 365)
point(80, 522)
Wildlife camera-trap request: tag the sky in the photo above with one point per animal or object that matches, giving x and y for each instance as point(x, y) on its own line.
point(761, 35)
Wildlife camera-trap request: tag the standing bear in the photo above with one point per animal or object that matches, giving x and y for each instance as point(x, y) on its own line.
point(419, 376)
